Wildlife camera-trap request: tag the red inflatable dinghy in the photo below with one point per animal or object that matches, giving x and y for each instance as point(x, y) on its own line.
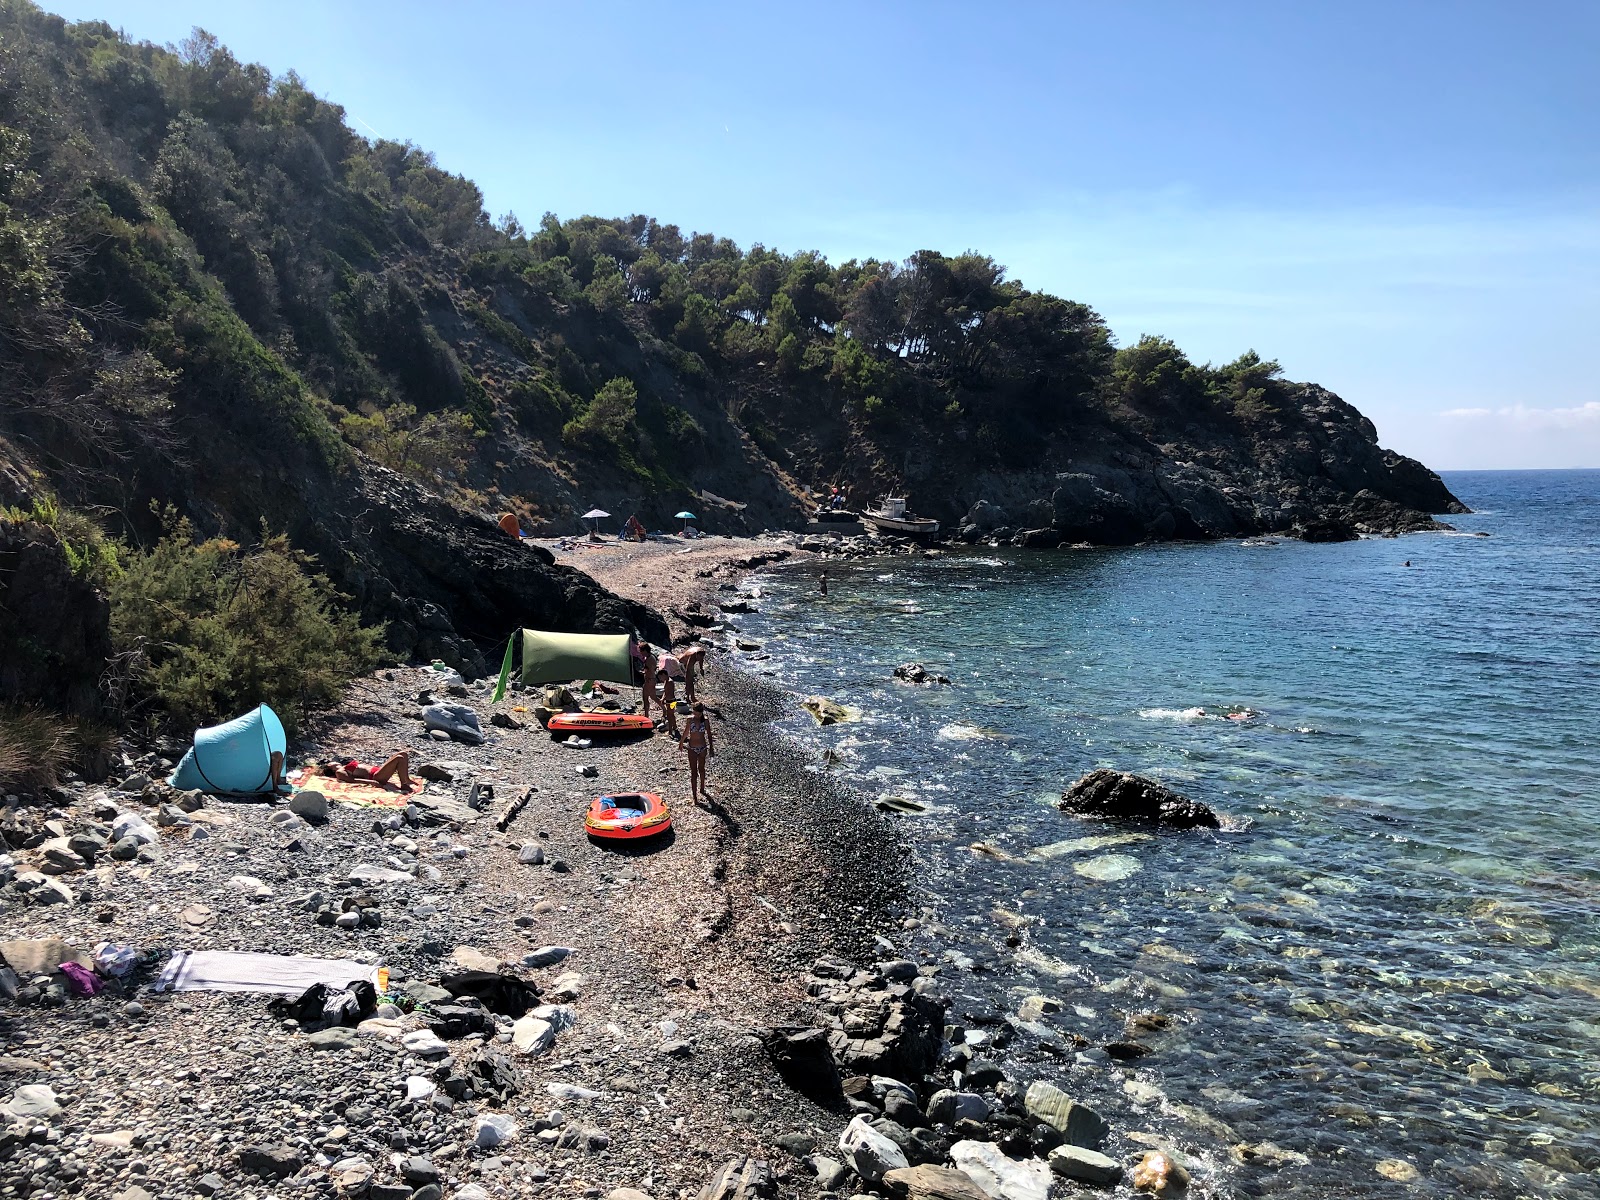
point(593, 723)
point(627, 815)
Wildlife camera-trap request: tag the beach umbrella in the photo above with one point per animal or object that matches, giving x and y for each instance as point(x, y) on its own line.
point(686, 517)
point(596, 515)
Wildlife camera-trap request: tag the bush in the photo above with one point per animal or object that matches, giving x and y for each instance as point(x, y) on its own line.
point(90, 554)
point(424, 448)
point(609, 419)
point(218, 630)
point(34, 748)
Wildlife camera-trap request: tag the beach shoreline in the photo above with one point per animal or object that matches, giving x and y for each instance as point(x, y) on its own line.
point(686, 957)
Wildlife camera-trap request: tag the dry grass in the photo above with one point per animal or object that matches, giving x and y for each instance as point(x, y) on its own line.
point(35, 747)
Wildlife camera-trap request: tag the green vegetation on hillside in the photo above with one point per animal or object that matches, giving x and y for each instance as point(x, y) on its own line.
point(182, 234)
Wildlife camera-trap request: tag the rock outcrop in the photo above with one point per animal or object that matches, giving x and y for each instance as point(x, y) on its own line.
point(1121, 795)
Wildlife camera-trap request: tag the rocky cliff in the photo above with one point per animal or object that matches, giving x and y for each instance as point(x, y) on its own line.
point(220, 301)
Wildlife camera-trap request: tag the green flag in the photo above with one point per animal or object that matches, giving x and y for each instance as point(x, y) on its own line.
point(505, 671)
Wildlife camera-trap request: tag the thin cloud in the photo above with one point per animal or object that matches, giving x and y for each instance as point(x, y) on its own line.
point(1526, 417)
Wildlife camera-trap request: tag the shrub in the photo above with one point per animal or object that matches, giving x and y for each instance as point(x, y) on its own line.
point(219, 630)
point(424, 448)
point(90, 554)
point(609, 419)
point(35, 747)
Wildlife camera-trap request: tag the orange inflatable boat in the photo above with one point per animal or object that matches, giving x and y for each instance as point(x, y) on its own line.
point(627, 815)
point(592, 723)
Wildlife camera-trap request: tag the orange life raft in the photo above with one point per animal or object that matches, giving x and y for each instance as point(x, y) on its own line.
point(627, 815)
point(599, 722)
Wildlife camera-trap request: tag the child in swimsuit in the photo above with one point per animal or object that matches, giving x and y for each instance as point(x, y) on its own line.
point(669, 696)
point(698, 744)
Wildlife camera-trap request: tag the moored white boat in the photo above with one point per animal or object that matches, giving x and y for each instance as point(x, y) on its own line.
point(891, 517)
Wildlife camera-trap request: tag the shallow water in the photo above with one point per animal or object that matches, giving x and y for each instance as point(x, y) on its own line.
point(1394, 963)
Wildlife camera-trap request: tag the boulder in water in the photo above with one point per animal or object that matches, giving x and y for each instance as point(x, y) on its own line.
point(825, 711)
point(1121, 795)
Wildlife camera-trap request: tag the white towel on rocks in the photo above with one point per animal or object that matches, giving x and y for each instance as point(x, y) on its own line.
point(242, 971)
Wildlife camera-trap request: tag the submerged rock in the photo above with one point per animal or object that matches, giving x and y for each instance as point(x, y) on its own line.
point(1088, 1166)
point(1159, 1174)
point(825, 711)
point(1121, 795)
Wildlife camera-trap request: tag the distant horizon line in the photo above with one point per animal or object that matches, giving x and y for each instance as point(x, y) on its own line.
point(1507, 470)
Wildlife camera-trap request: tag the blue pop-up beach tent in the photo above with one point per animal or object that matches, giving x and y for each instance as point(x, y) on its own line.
point(233, 759)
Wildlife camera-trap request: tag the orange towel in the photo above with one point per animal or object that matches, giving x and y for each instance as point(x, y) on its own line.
point(367, 794)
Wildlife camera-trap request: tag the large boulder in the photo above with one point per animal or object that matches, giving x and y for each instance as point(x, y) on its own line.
point(1122, 795)
point(868, 1152)
point(805, 1061)
point(986, 516)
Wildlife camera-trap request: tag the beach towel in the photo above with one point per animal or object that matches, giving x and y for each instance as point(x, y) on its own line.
point(241, 971)
point(369, 795)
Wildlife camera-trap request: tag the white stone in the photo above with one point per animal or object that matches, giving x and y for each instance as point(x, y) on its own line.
point(418, 1088)
point(130, 824)
point(1002, 1177)
point(870, 1153)
point(531, 1036)
point(561, 1017)
point(250, 886)
point(33, 1100)
point(422, 1042)
point(494, 1129)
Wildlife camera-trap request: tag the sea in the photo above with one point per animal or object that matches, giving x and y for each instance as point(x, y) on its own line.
point(1382, 976)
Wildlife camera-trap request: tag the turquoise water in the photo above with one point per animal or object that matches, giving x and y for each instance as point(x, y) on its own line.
point(1390, 964)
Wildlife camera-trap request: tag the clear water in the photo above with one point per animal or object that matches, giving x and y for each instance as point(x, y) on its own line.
point(1395, 967)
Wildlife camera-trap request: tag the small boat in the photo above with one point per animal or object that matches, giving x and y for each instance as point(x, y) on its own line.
point(592, 724)
point(892, 517)
point(627, 815)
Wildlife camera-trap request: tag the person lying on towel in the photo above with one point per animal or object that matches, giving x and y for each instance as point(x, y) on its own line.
point(352, 771)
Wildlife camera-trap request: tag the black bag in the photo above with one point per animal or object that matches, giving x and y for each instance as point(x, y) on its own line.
point(320, 1004)
point(504, 994)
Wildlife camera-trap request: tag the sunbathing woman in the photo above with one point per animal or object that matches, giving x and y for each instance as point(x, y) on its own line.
point(351, 771)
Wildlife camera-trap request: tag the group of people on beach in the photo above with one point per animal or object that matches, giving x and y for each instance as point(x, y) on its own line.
point(660, 677)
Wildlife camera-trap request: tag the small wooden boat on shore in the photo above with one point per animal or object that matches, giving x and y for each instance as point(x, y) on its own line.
point(892, 517)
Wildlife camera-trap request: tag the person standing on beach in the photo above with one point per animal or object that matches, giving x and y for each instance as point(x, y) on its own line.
point(669, 699)
point(693, 661)
point(643, 657)
point(699, 744)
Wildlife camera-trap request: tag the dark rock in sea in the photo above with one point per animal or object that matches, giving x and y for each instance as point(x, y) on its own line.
point(1038, 539)
point(1328, 529)
point(1121, 795)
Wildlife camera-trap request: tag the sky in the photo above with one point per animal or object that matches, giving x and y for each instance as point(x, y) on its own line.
point(1400, 200)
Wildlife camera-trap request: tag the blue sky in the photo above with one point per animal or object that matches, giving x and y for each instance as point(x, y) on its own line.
point(1400, 201)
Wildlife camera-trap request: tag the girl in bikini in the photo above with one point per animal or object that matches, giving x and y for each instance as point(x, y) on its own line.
point(352, 771)
point(698, 743)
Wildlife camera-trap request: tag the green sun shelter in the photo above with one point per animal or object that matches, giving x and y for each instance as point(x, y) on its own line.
point(559, 657)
